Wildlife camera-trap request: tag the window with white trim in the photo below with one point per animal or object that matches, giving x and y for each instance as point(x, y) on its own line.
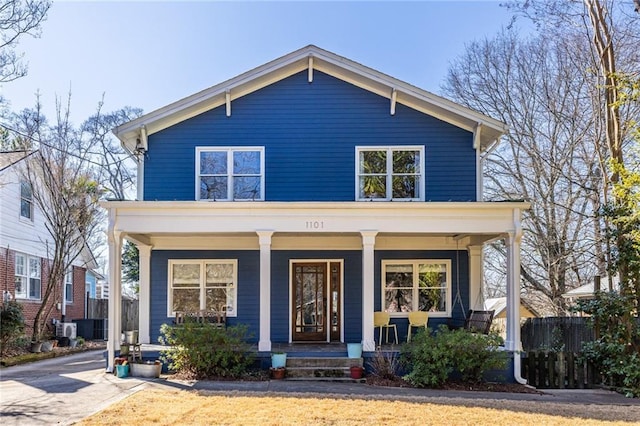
point(390, 173)
point(68, 286)
point(202, 284)
point(26, 200)
point(230, 174)
point(27, 277)
point(417, 285)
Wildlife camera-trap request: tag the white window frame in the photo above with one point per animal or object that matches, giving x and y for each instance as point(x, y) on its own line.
point(389, 172)
point(232, 311)
point(415, 264)
point(27, 275)
point(230, 175)
point(27, 200)
point(68, 285)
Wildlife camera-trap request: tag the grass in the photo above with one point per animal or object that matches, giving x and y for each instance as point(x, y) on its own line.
point(169, 407)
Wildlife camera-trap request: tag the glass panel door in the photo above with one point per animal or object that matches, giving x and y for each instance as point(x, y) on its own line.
point(309, 301)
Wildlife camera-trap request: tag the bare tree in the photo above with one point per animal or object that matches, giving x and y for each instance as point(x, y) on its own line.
point(116, 170)
point(66, 192)
point(18, 18)
point(547, 157)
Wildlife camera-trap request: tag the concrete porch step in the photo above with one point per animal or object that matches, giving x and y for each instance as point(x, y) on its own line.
point(321, 368)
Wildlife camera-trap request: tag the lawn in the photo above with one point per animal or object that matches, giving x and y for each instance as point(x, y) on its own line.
point(169, 407)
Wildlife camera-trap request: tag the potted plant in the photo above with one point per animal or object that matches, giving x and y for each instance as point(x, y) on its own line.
point(36, 347)
point(278, 359)
point(122, 369)
point(278, 373)
point(357, 372)
point(47, 346)
point(148, 369)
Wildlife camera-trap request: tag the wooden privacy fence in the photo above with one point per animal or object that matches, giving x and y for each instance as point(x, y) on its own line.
point(99, 308)
point(558, 334)
point(558, 370)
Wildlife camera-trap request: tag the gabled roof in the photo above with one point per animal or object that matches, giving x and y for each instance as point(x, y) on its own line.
point(9, 158)
point(499, 304)
point(312, 58)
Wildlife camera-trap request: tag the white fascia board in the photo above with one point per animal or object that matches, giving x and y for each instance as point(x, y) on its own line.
point(223, 217)
point(330, 63)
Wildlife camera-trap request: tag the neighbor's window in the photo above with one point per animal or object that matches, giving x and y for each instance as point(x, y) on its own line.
point(230, 174)
point(27, 277)
point(202, 284)
point(417, 285)
point(390, 173)
point(68, 286)
point(26, 200)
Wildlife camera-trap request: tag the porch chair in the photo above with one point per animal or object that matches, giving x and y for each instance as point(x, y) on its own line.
point(382, 320)
point(479, 321)
point(417, 319)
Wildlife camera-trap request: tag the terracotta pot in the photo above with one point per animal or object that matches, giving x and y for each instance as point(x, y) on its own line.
point(357, 372)
point(278, 373)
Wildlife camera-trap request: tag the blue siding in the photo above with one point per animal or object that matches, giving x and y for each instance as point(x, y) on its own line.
point(280, 291)
point(459, 281)
point(248, 286)
point(310, 132)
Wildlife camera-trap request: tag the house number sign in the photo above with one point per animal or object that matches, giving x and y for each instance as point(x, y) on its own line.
point(314, 224)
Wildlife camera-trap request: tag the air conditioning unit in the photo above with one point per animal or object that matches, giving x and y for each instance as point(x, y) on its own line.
point(66, 329)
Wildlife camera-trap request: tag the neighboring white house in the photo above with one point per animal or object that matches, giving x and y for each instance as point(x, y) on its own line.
point(25, 244)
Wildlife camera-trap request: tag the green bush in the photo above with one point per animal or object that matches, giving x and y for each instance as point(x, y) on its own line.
point(432, 358)
point(616, 352)
point(203, 350)
point(11, 324)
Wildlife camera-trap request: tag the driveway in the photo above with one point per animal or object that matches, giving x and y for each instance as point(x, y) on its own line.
point(60, 390)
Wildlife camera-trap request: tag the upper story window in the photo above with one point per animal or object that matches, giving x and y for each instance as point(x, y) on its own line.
point(26, 200)
point(230, 174)
point(68, 286)
point(417, 285)
point(390, 173)
point(27, 277)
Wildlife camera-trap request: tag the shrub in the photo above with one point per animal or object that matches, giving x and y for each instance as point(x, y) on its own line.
point(11, 324)
point(616, 352)
point(432, 358)
point(384, 364)
point(203, 350)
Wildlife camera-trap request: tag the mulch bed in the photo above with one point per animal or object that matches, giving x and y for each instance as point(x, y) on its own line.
point(20, 354)
point(459, 386)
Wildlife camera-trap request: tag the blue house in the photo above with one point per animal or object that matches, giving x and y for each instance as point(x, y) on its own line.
point(306, 194)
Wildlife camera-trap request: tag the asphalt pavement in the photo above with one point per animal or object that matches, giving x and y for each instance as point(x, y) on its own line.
point(66, 389)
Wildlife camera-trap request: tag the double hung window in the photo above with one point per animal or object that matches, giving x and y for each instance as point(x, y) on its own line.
point(390, 173)
point(68, 286)
point(417, 285)
point(27, 277)
point(195, 285)
point(230, 174)
point(26, 200)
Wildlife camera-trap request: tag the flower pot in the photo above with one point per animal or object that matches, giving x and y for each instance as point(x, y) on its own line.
point(131, 337)
point(354, 350)
point(36, 347)
point(122, 370)
point(278, 373)
point(47, 346)
point(278, 360)
point(357, 372)
point(73, 343)
point(148, 370)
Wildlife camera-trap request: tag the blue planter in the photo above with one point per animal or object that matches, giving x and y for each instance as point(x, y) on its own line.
point(278, 360)
point(122, 370)
point(354, 350)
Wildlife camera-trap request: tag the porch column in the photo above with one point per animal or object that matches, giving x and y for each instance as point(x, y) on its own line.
point(476, 300)
point(144, 301)
point(513, 240)
point(368, 294)
point(115, 291)
point(264, 238)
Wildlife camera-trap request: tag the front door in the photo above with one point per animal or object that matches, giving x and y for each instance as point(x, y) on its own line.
point(316, 301)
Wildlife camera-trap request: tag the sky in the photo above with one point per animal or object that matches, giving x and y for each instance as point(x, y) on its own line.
point(148, 54)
